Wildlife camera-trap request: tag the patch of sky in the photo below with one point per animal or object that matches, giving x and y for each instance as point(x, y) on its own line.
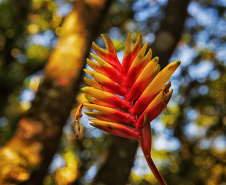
point(178, 99)
point(90, 131)
point(58, 162)
point(214, 75)
point(192, 130)
point(93, 132)
point(146, 13)
point(202, 39)
point(157, 126)
point(44, 39)
point(90, 174)
point(201, 70)
point(120, 56)
point(68, 127)
point(3, 122)
point(207, 17)
point(164, 139)
point(220, 143)
point(205, 143)
point(150, 37)
point(203, 90)
point(114, 33)
point(221, 54)
point(171, 103)
point(165, 142)
point(221, 27)
point(22, 58)
point(64, 9)
point(162, 2)
point(190, 22)
point(204, 16)
point(221, 2)
point(140, 167)
point(192, 114)
point(27, 95)
point(85, 119)
point(175, 84)
point(131, 26)
point(91, 51)
point(140, 4)
point(186, 55)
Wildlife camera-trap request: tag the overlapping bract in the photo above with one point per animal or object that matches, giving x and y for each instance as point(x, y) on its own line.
point(127, 96)
point(121, 94)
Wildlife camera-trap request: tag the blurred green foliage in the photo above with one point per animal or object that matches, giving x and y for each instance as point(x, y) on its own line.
point(196, 116)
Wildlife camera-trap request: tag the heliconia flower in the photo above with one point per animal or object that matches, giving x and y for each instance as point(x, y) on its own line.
point(127, 97)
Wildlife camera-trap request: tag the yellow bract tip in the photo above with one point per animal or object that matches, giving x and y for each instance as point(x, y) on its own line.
point(156, 59)
point(178, 62)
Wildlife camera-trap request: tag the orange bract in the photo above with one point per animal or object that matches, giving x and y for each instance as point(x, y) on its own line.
point(131, 93)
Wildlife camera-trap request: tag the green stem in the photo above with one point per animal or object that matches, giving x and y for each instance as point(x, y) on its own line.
point(153, 168)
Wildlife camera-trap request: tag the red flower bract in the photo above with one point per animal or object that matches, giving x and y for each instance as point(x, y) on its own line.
point(128, 96)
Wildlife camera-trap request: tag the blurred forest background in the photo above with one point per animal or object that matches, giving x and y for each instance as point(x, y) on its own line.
point(43, 47)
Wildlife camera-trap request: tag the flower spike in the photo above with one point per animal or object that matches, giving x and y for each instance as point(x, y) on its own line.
point(127, 97)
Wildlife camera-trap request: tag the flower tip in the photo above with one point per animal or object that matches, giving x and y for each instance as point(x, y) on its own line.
point(157, 68)
point(105, 37)
point(93, 44)
point(139, 40)
point(92, 55)
point(178, 62)
point(139, 36)
point(86, 104)
point(93, 120)
point(129, 36)
point(145, 44)
point(87, 71)
point(156, 59)
point(93, 124)
point(171, 92)
point(146, 119)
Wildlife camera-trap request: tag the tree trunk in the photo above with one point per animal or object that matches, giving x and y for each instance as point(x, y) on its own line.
point(20, 20)
point(26, 157)
point(119, 162)
point(169, 33)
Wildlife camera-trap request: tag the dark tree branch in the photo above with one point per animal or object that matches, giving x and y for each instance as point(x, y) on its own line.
point(19, 18)
point(169, 34)
point(117, 167)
